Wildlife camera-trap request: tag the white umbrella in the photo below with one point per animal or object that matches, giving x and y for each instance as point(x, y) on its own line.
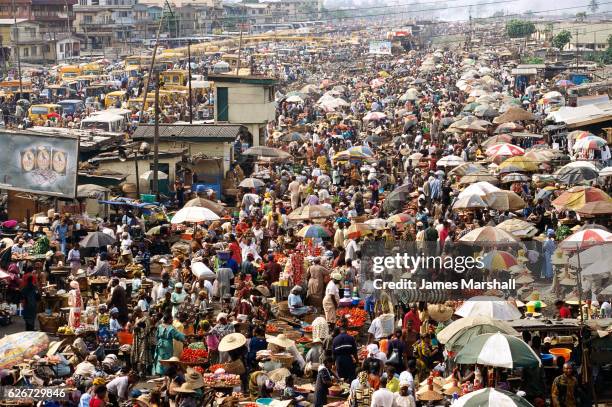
point(492, 307)
point(491, 397)
point(479, 188)
point(194, 214)
point(294, 99)
point(251, 183)
point(470, 202)
point(600, 269)
point(149, 175)
point(606, 172)
point(591, 255)
point(377, 223)
point(450, 161)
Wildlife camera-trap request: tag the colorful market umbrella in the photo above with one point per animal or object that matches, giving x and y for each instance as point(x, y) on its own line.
point(515, 177)
point(500, 138)
point(499, 260)
point(400, 218)
point(357, 230)
point(465, 336)
point(481, 188)
point(377, 223)
point(575, 198)
point(267, 152)
point(488, 236)
point(314, 231)
point(504, 150)
point(488, 306)
point(518, 164)
point(579, 134)
point(498, 350)
point(478, 177)
point(467, 168)
point(519, 228)
point(589, 143)
point(490, 397)
point(596, 208)
point(514, 114)
point(584, 239)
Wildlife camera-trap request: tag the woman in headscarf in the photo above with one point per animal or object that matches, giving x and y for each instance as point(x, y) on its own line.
point(75, 302)
point(373, 365)
point(296, 304)
point(165, 335)
point(360, 394)
point(141, 354)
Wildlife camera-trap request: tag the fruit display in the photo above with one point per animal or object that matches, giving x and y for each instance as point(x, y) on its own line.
point(41, 246)
point(221, 380)
point(216, 367)
point(356, 316)
point(194, 355)
point(271, 329)
point(197, 345)
point(65, 330)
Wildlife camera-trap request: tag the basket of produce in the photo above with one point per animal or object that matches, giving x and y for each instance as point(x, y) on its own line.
point(221, 380)
point(285, 359)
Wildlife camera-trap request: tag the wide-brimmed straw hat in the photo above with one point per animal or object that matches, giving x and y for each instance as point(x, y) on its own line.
point(194, 378)
point(171, 360)
point(281, 340)
point(231, 342)
point(186, 388)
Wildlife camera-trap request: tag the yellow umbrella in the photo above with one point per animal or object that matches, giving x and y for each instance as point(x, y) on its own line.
point(518, 164)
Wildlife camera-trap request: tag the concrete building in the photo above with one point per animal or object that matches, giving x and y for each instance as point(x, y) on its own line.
point(34, 46)
point(54, 16)
point(591, 37)
point(245, 100)
point(106, 23)
point(197, 139)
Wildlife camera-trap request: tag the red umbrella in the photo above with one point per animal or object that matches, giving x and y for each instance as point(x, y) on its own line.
point(586, 238)
point(53, 115)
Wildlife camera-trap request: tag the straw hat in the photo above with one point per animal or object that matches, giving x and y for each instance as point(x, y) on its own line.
point(451, 388)
point(440, 312)
point(278, 375)
point(281, 340)
point(336, 276)
point(231, 342)
point(173, 359)
point(194, 378)
point(559, 257)
point(143, 400)
point(263, 290)
point(186, 388)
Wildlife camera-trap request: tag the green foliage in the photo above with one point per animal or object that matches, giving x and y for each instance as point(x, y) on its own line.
point(519, 28)
point(532, 60)
point(562, 39)
point(563, 231)
point(580, 17)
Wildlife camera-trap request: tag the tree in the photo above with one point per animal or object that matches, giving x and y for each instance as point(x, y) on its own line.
point(593, 6)
point(499, 13)
point(562, 39)
point(580, 17)
point(520, 28)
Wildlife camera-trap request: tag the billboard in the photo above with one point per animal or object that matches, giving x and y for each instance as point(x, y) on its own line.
point(44, 164)
point(380, 47)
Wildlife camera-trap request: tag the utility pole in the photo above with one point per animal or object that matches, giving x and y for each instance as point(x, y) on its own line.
point(156, 140)
point(16, 44)
point(576, 45)
point(151, 66)
point(239, 51)
point(189, 73)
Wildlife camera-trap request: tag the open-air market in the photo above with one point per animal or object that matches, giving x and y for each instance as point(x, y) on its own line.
point(305, 203)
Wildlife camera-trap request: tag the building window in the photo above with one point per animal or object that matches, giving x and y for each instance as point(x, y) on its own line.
point(34, 50)
point(26, 52)
point(88, 19)
point(47, 48)
point(61, 47)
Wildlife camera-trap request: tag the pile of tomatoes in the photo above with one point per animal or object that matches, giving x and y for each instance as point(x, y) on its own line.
point(194, 355)
point(356, 316)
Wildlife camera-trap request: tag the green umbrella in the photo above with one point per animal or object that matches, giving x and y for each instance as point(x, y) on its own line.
point(498, 350)
point(466, 335)
point(491, 397)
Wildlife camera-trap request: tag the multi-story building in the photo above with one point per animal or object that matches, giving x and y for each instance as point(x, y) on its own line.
point(53, 16)
point(33, 45)
point(21, 9)
point(106, 23)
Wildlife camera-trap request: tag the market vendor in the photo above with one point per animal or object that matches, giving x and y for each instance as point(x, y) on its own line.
point(282, 344)
point(296, 305)
point(332, 298)
point(177, 298)
point(165, 334)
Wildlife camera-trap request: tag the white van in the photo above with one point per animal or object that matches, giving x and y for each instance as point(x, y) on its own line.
point(106, 122)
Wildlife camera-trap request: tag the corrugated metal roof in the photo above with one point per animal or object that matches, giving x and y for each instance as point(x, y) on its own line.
point(524, 71)
point(193, 131)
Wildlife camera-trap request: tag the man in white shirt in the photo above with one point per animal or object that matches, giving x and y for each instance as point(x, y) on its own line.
point(351, 250)
point(383, 397)
point(119, 387)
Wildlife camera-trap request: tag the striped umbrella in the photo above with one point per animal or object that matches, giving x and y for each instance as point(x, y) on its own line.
point(575, 198)
point(488, 235)
point(491, 397)
point(498, 350)
point(313, 231)
point(499, 260)
point(508, 128)
point(518, 164)
point(584, 239)
point(400, 218)
point(357, 230)
point(590, 143)
point(564, 83)
point(579, 134)
point(504, 150)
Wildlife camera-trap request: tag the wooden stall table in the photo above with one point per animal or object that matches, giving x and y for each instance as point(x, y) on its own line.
point(98, 284)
